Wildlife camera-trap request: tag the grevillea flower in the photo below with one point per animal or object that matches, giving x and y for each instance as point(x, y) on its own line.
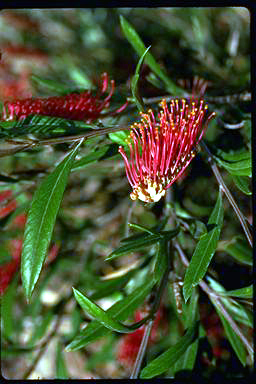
point(162, 147)
point(75, 106)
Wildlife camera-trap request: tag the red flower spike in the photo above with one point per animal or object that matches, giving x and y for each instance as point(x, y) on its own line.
point(161, 148)
point(75, 106)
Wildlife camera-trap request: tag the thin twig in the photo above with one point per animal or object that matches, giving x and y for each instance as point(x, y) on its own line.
point(142, 350)
point(18, 147)
point(225, 189)
point(214, 298)
point(154, 308)
point(245, 96)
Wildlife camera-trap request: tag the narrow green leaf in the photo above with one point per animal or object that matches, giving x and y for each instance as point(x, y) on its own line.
point(204, 251)
point(134, 84)
point(99, 314)
point(243, 293)
point(239, 164)
point(187, 360)
point(239, 249)
point(190, 314)
point(61, 368)
point(142, 228)
point(107, 287)
point(40, 222)
point(121, 310)
point(238, 312)
point(163, 362)
point(142, 242)
point(232, 337)
point(198, 228)
point(79, 77)
point(234, 156)
point(135, 245)
point(91, 158)
point(119, 137)
point(136, 42)
point(49, 84)
point(161, 260)
point(242, 183)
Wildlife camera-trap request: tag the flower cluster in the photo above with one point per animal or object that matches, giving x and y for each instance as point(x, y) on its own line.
point(83, 106)
point(162, 147)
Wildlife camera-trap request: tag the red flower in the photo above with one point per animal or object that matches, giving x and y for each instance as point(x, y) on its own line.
point(161, 148)
point(14, 246)
point(129, 345)
point(75, 106)
point(8, 270)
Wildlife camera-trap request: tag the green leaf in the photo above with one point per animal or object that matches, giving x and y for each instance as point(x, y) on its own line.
point(161, 262)
point(49, 84)
point(243, 293)
point(187, 360)
point(142, 228)
point(40, 221)
point(237, 311)
point(79, 77)
point(234, 156)
point(232, 337)
point(61, 368)
point(237, 163)
point(237, 248)
point(107, 287)
point(119, 137)
point(134, 83)
point(191, 315)
point(204, 251)
point(142, 242)
point(91, 158)
point(121, 310)
point(242, 183)
point(99, 314)
point(163, 362)
point(198, 228)
point(45, 126)
point(140, 48)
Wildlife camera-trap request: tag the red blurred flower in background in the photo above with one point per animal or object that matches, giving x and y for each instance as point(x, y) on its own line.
point(129, 345)
point(83, 106)
point(162, 147)
point(14, 246)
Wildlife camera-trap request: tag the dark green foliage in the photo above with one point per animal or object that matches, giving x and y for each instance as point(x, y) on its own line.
point(122, 257)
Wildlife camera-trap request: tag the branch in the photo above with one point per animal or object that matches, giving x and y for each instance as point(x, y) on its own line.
point(142, 351)
point(146, 335)
point(245, 96)
point(31, 144)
